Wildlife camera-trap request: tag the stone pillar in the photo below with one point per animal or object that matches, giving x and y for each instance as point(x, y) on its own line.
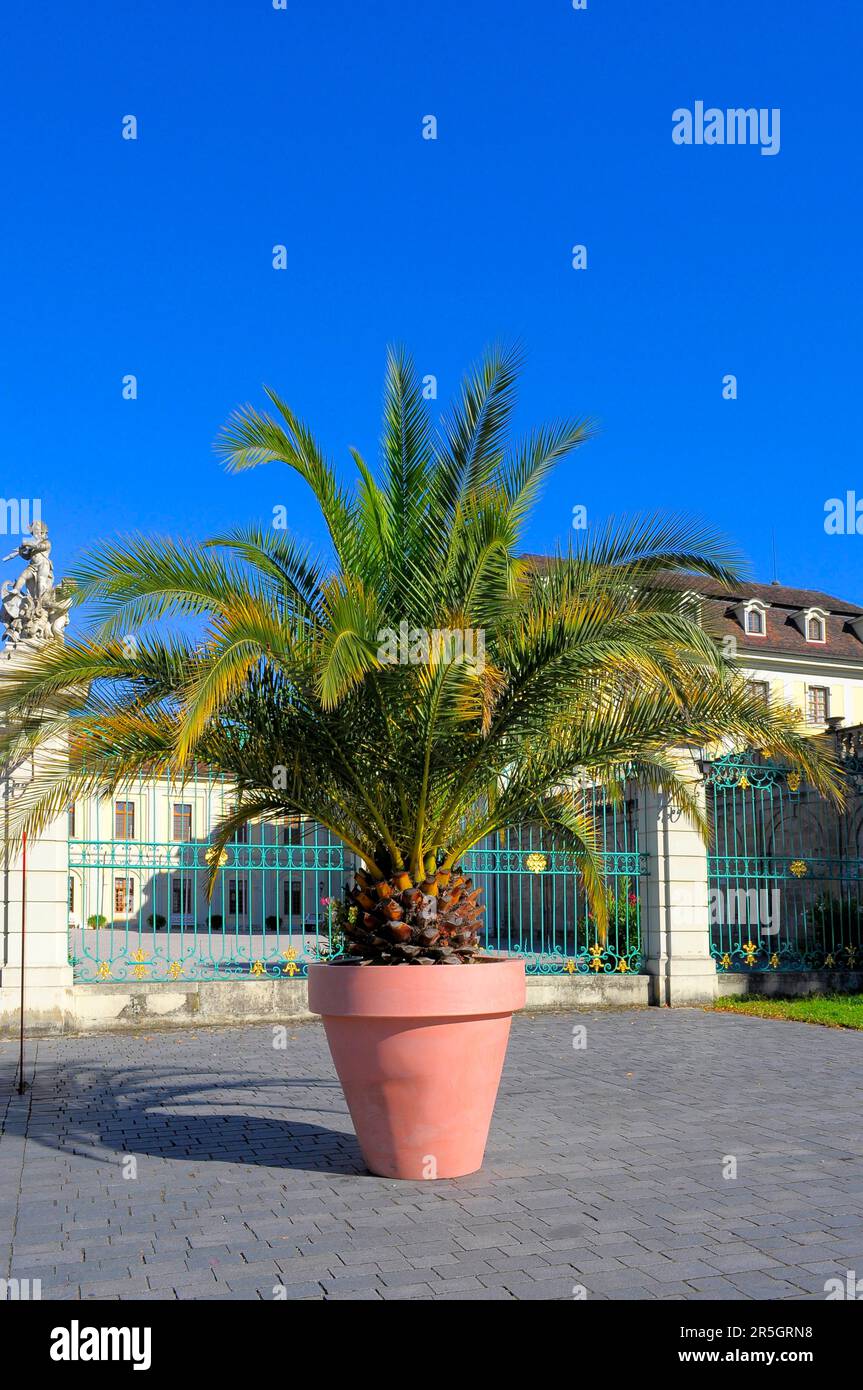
point(47, 972)
point(676, 922)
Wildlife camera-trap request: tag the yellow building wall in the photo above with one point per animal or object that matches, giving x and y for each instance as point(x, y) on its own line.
point(846, 697)
point(854, 714)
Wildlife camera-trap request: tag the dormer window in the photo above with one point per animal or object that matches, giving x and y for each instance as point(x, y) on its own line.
point(812, 622)
point(690, 605)
point(752, 616)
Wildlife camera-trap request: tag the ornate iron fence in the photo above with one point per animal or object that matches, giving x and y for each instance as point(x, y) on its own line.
point(138, 906)
point(535, 902)
point(785, 868)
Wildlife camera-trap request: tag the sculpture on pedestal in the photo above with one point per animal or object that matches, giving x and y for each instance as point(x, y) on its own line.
point(33, 610)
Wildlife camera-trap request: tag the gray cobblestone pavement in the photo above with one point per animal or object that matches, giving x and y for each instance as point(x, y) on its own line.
point(604, 1170)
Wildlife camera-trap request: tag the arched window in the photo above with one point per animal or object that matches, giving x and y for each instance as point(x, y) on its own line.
point(815, 630)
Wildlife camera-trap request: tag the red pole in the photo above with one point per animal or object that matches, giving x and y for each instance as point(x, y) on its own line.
point(21, 1085)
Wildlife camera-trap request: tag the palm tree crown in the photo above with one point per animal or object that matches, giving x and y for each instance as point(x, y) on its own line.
point(421, 685)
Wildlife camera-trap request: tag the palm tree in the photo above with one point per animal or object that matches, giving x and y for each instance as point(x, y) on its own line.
point(420, 686)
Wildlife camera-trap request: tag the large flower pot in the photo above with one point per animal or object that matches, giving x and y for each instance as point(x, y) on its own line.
point(419, 1052)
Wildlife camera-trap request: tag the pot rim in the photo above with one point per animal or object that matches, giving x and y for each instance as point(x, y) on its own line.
point(406, 991)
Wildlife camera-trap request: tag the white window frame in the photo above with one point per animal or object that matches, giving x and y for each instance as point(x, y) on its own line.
point(754, 605)
point(182, 807)
point(763, 693)
point(809, 690)
point(802, 619)
point(127, 886)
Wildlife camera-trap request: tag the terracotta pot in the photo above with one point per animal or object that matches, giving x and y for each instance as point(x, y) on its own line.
point(419, 1052)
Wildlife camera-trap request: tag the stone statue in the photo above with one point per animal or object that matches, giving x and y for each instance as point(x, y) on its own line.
point(33, 610)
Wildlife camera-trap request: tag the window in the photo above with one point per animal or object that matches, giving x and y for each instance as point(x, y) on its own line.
point(292, 898)
point(71, 813)
point(181, 896)
point(293, 830)
point(124, 895)
point(817, 704)
point(71, 894)
point(759, 690)
point(182, 822)
point(242, 834)
point(238, 896)
point(124, 820)
point(755, 622)
point(815, 629)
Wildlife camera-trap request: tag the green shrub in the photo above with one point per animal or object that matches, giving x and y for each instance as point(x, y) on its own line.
point(623, 918)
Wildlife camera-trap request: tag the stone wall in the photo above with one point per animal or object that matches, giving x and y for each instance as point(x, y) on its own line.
point(114, 1007)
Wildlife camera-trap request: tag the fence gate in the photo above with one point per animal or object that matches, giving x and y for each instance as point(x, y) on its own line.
point(785, 868)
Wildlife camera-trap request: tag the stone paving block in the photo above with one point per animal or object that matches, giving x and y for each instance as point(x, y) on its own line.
point(556, 1289)
point(307, 1289)
point(629, 1293)
point(618, 1182)
point(500, 1295)
point(741, 1261)
point(407, 1291)
point(717, 1287)
point(105, 1288)
point(462, 1266)
point(758, 1285)
point(306, 1267)
point(404, 1278)
point(353, 1296)
point(351, 1282)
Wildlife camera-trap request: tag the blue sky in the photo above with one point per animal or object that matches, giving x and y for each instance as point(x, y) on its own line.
point(259, 126)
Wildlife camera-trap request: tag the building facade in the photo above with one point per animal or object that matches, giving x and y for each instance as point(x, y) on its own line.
point(800, 646)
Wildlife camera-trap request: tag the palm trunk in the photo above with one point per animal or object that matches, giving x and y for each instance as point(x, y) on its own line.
point(395, 922)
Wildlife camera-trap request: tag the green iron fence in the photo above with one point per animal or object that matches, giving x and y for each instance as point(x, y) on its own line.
point(535, 902)
point(785, 868)
point(138, 905)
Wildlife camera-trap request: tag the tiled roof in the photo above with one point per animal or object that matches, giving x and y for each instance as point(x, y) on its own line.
point(782, 636)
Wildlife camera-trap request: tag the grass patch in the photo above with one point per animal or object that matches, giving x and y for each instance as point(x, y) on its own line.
point(830, 1010)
